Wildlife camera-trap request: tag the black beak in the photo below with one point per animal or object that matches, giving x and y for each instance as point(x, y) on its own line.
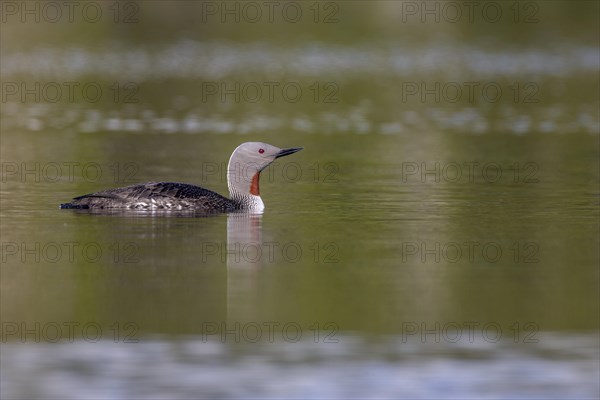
point(287, 152)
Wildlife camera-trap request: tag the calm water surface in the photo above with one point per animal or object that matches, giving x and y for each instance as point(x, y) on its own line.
point(416, 248)
point(362, 249)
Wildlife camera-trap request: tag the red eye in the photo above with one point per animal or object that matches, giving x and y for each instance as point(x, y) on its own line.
point(261, 151)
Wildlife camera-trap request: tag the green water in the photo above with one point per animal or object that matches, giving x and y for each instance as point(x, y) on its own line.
point(365, 243)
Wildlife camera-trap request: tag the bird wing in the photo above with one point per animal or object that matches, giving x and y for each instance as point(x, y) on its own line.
point(165, 193)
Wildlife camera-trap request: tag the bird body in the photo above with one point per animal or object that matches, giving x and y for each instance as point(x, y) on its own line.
point(243, 175)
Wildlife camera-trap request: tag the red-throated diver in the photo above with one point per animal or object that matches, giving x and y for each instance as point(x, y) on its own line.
point(243, 174)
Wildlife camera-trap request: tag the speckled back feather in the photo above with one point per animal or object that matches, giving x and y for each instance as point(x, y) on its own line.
point(156, 196)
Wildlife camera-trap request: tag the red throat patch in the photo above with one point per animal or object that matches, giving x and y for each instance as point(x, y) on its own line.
point(254, 189)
